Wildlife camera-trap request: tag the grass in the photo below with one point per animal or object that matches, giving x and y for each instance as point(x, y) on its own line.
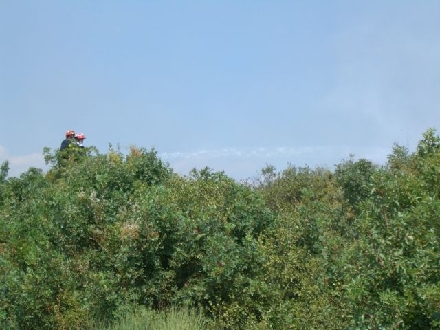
point(172, 319)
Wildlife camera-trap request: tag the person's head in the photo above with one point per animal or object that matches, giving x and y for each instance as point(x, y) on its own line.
point(70, 134)
point(80, 137)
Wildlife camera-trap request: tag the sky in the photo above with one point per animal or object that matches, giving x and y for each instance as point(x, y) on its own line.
point(234, 85)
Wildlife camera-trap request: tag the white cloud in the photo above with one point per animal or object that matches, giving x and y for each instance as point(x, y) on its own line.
point(21, 163)
point(247, 162)
point(241, 153)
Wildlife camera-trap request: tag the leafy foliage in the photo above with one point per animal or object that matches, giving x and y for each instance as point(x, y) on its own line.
point(101, 235)
point(355, 179)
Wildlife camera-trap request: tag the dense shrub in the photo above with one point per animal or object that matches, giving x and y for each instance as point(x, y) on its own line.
point(93, 235)
point(99, 235)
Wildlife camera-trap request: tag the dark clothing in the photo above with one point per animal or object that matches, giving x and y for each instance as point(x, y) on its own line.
point(65, 144)
point(70, 152)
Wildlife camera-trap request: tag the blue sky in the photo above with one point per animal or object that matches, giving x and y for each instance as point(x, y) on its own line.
point(233, 85)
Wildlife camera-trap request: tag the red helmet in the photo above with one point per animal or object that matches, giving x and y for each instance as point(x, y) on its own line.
point(80, 136)
point(70, 133)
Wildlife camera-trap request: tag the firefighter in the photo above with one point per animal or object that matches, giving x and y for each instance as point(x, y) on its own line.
point(80, 137)
point(70, 138)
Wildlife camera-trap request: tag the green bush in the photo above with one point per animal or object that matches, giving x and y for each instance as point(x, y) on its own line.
point(93, 235)
point(353, 248)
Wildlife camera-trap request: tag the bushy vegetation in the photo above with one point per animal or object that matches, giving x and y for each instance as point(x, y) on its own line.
point(120, 242)
point(172, 319)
